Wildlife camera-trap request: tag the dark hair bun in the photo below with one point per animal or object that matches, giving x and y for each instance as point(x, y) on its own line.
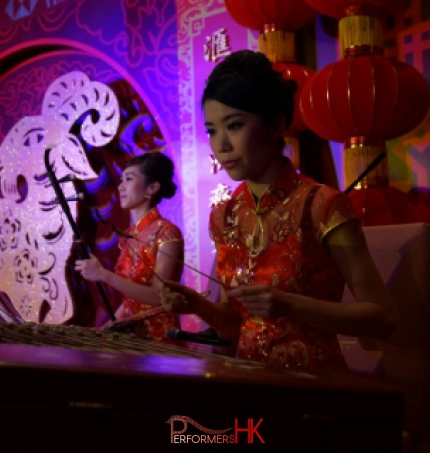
point(246, 80)
point(169, 190)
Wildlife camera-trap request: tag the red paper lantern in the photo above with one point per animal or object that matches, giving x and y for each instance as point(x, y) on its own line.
point(368, 96)
point(286, 14)
point(341, 8)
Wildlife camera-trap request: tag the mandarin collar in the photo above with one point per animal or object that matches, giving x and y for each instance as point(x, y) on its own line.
point(276, 192)
point(147, 218)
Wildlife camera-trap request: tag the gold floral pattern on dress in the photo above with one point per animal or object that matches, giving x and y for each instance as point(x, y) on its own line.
point(231, 233)
point(245, 273)
point(280, 232)
point(295, 353)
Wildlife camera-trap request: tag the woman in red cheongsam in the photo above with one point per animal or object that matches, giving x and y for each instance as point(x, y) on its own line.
point(286, 245)
point(157, 246)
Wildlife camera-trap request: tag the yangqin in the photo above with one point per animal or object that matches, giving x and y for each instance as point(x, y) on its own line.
point(66, 388)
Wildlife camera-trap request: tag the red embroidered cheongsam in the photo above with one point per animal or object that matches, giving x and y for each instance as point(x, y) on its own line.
point(275, 243)
point(136, 262)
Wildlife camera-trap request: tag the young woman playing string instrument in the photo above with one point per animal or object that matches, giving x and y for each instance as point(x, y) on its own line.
point(285, 244)
point(152, 248)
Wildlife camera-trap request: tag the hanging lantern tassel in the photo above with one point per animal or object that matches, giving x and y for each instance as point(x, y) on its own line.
point(357, 157)
point(277, 44)
point(360, 32)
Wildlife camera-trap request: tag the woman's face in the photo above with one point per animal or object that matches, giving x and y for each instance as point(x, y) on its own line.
point(243, 143)
point(132, 189)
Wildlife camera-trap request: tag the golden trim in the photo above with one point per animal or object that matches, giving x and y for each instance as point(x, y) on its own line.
point(363, 50)
point(160, 244)
point(331, 228)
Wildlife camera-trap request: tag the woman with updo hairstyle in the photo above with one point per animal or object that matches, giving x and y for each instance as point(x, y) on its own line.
point(286, 245)
point(156, 246)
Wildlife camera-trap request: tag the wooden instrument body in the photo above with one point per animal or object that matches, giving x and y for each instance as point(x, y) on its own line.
point(74, 399)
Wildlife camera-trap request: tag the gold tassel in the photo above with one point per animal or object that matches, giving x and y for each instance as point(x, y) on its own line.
point(357, 157)
point(359, 31)
point(277, 45)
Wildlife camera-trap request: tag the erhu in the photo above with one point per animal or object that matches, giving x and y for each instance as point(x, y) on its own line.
point(63, 201)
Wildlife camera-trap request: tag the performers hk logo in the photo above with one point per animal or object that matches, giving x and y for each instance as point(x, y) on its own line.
point(213, 436)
